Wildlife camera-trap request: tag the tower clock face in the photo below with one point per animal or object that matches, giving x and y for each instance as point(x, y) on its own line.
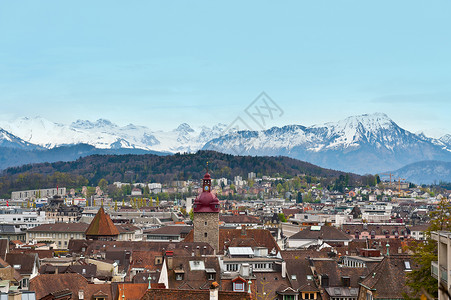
point(206, 188)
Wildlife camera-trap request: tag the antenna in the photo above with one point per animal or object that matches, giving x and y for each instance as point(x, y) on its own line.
point(207, 166)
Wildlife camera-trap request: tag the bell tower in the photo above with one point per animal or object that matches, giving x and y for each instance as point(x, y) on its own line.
point(206, 215)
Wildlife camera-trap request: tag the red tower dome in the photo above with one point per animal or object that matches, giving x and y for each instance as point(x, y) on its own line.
point(206, 201)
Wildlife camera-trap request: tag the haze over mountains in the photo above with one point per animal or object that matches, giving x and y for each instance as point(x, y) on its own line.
point(362, 144)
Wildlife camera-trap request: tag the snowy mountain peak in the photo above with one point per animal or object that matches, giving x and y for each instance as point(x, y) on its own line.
point(184, 128)
point(104, 123)
point(369, 122)
point(82, 124)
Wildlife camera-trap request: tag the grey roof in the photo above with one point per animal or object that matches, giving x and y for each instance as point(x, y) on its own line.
point(241, 251)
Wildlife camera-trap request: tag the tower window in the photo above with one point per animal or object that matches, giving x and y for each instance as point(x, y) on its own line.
point(205, 223)
point(205, 234)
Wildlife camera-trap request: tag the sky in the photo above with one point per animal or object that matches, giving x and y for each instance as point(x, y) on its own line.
point(161, 63)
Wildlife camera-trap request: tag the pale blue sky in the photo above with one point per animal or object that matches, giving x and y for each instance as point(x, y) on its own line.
point(160, 63)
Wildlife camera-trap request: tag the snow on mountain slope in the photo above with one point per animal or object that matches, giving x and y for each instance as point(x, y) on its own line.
point(365, 143)
point(104, 134)
point(9, 140)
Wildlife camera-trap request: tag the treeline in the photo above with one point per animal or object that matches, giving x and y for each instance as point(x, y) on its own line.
point(152, 168)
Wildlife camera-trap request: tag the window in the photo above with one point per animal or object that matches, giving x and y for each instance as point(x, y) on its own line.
point(289, 297)
point(205, 234)
point(179, 276)
point(238, 286)
point(293, 277)
point(232, 267)
point(205, 223)
point(211, 276)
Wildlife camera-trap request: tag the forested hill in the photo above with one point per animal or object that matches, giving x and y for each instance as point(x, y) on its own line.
point(152, 168)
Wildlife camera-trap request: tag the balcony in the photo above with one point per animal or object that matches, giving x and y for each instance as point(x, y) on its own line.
point(443, 274)
point(434, 269)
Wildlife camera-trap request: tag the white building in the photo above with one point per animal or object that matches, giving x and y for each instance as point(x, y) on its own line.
point(40, 193)
point(441, 269)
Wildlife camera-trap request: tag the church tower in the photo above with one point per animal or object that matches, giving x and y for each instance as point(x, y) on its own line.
point(206, 215)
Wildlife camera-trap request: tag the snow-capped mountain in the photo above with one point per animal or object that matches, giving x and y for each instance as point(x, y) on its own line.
point(104, 134)
point(8, 140)
point(363, 144)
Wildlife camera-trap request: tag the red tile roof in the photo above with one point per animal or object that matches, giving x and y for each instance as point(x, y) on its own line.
point(102, 225)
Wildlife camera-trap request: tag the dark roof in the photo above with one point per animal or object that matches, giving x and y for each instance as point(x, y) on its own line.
point(41, 253)
point(242, 238)
point(170, 294)
point(389, 277)
point(124, 228)
point(420, 227)
point(192, 279)
point(326, 233)
point(7, 228)
point(26, 262)
point(102, 225)
point(45, 284)
point(4, 245)
point(378, 229)
point(245, 219)
point(331, 268)
point(60, 227)
point(170, 230)
point(301, 269)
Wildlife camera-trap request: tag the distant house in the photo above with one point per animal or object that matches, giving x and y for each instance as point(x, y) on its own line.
point(136, 192)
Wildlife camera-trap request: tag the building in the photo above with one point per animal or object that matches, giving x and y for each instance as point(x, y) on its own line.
point(168, 233)
point(440, 269)
point(102, 228)
point(59, 212)
point(41, 193)
point(58, 233)
point(206, 215)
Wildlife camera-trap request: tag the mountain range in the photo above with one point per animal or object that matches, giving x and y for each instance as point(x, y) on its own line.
point(369, 143)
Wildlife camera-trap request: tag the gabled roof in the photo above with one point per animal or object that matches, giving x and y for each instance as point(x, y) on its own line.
point(388, 279)
point(24, 262)
point(102, 225)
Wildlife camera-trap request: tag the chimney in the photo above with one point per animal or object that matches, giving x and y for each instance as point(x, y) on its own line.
point(214, 291)
point(169, 256)
point(81, 295)
point(245, 270)
point(284, 269)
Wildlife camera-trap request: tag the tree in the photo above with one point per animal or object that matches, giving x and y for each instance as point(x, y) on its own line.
point(282, 217)
point(299, 197)
point(103, 184)
point(420, 280)
point(279, 188)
